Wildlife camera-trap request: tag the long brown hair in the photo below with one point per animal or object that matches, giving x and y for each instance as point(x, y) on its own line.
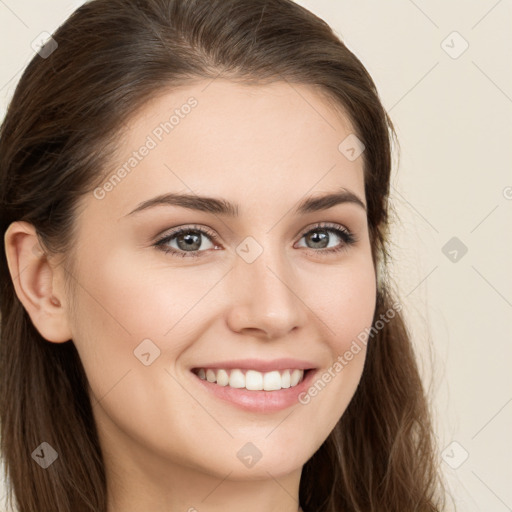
point(62, 126)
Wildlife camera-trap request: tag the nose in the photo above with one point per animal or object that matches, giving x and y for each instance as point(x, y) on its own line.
point(265, 298)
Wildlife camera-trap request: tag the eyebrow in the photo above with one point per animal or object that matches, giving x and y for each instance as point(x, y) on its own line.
point(226, 208)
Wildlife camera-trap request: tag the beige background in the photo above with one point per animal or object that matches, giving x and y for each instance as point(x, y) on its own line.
point(453, 114)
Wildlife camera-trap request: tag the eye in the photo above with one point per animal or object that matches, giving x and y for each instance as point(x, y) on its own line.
point(187, 241)
point(319, 237)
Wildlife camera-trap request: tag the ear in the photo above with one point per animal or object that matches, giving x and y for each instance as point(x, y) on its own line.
point(38, 284)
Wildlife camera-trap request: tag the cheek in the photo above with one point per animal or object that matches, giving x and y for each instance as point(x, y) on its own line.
point(125, 300)
point(346, 298)
point(346, 306)
point(120, 305)
point(354, 317)
point(355, 307)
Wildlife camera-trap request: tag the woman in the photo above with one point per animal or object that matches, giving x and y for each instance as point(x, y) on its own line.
point(195, 310)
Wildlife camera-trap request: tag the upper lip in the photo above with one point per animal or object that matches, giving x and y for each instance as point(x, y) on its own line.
point(260, 365)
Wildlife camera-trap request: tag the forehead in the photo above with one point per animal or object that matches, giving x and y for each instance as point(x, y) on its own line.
point(246, 143)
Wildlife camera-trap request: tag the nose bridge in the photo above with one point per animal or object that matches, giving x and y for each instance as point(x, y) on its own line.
point(264, 296)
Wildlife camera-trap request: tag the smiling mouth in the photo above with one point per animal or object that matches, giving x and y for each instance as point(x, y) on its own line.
point(252, 380)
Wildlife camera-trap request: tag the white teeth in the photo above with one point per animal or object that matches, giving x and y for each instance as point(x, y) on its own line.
point(222, 378)
point(252, 379)
point(237, 379)
point(271, 381)
point(285, 379)
point(295, 377)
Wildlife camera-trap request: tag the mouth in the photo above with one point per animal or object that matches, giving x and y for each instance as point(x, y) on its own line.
point(253, 390)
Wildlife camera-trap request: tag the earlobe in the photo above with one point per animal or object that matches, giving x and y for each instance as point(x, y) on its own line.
point(37, 283)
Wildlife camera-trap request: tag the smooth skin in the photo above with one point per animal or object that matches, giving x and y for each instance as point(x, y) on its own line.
point(168, 444)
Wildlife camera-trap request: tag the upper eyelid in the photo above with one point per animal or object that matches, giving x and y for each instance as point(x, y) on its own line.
point(326, 225)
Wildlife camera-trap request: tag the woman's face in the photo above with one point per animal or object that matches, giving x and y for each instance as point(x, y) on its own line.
point(262, 290)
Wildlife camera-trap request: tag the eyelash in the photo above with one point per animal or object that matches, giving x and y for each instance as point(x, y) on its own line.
point(348, 238)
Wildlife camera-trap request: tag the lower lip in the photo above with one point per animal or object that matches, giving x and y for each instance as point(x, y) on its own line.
point(258, 401)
